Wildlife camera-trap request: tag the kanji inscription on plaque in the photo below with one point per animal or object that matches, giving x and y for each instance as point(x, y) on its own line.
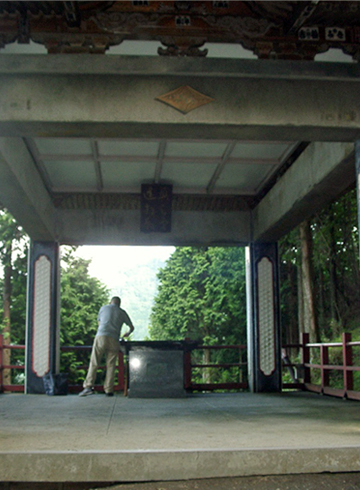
point(156, 205)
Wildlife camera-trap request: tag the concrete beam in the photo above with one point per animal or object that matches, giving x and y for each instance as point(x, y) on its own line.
point(117, 227)
point(118, 105)
point(22, 190)
point(83, 64)
point(321, 173)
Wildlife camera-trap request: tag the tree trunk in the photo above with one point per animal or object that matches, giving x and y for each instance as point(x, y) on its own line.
point(321, 304)
point(333, 284)
point(308, 283)
point(300, 303)
point(7, 323)
point(292, 333)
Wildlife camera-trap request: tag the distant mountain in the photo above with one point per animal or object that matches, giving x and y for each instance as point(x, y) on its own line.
point(137, 287)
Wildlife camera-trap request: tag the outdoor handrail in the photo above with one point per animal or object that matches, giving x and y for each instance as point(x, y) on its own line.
point(11, 387)
point(332, 344)
point(67, 348)
point(122, 381)
point(345, 365)
point(206, 386)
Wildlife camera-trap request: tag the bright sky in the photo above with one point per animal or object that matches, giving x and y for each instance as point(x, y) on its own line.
point(107, 260)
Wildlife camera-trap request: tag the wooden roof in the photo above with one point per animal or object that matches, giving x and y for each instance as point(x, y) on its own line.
point(296, 30)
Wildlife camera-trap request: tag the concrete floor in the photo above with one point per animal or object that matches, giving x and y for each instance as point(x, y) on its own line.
point(119, 439)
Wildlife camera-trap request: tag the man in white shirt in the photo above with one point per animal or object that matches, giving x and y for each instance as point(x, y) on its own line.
point(110, 319)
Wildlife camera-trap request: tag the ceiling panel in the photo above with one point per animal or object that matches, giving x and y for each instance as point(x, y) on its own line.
point(260, 151)
point(126, 174)
point(68, 175)
point(134, 147)
point(63, 146)
point(243, 178)
point(194, 149)
point(188, 174)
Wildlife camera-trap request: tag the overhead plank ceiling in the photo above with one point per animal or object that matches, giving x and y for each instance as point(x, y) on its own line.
point(119, 165)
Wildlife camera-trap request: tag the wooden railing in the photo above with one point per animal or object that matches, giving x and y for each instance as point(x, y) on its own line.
point(314, 372)
point(10, 387)
point(119, 386)
point(191, 384)
point(320, 362)
point(209, 384)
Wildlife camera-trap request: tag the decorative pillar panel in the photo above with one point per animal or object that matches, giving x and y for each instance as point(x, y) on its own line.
point(263, 318)
point(42, 340)
point(357, 168)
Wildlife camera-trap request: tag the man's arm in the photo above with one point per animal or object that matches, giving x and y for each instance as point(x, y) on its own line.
point(127, 334)
point(129, 324)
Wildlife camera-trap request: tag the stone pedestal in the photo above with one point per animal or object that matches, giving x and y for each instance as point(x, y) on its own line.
point(155, 369)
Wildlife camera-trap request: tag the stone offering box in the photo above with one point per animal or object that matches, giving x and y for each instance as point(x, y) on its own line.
point(155, 368)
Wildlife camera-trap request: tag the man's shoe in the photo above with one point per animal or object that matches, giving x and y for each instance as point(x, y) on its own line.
point(87, 392)
point(109, 394)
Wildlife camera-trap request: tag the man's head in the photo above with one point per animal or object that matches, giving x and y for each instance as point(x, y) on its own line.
point(115, 300)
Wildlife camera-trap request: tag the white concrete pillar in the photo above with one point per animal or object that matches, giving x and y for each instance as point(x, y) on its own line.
point(42, 324)
point(263, 306)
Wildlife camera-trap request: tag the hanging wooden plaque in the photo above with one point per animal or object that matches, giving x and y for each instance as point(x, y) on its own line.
point(156, 204)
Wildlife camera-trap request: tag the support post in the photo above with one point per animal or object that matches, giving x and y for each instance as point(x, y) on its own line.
point(264, 349)
point(42, 323)
point(324, 361)
point(306, 357)
point(347, 362)
point(1, 362)
point(357, 169)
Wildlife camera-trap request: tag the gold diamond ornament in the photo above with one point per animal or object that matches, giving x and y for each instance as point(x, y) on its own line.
point(185, 99)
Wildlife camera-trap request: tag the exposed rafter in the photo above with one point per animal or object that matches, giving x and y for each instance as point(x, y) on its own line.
point(39, 163)
point(95, 151)
point(229, 149)
point(159, 162)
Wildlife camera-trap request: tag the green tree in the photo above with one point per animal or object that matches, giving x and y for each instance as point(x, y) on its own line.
point(12, 244)
point(81, 298)
point(202, 296)
point(335, 258)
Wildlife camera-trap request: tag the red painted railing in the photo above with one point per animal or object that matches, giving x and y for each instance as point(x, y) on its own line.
point(241, 366)
point(190, 384)
point(119, 386)
point(9, 387)
point(319, 363)
point(315, 370)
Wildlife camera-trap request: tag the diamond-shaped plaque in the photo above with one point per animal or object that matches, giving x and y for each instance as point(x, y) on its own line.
point(185, 99)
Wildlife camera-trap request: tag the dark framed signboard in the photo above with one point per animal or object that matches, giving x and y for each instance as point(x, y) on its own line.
point(156, 205)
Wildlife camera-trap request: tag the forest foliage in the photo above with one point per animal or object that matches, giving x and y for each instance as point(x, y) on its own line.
point(201, 291)
point(81, 298)
point(201, 296)
point(335, 277)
